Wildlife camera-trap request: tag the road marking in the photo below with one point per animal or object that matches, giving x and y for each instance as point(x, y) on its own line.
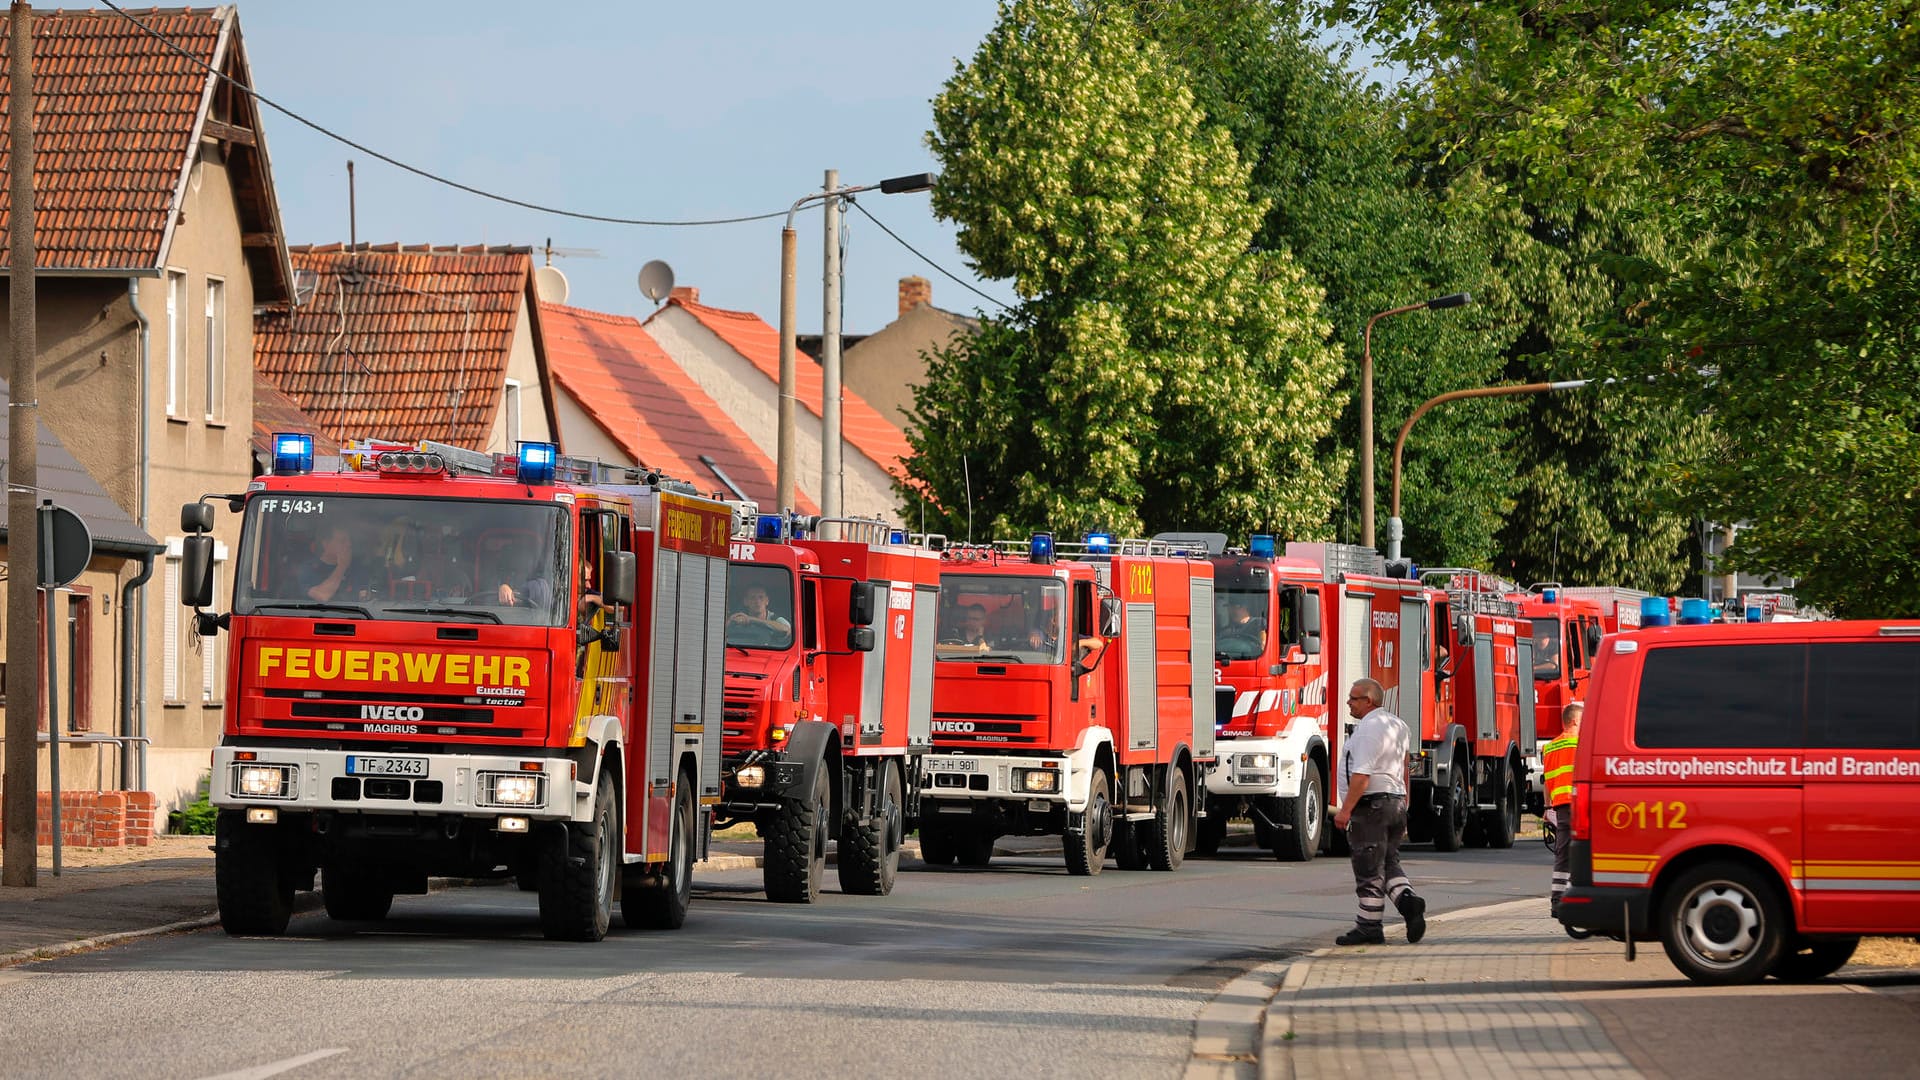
point(275, 1068)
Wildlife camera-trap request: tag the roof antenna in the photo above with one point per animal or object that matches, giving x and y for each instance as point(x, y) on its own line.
point(967, 471)
point(353, 228)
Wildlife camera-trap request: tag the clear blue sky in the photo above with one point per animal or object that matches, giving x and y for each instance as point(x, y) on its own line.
point(624, 108)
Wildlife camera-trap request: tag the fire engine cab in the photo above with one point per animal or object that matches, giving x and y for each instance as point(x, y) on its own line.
point(444, 662)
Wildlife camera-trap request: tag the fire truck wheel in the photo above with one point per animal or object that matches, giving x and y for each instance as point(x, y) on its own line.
point(1212, 831)
point(1307, 813)
point(1502, 823)
point(1166, 834)
point(1128, 854)
point(659, 901)
point(577, 864)
point(1455, 810)
point(1263, 833)
point(255, 895)
point(1807, 959)
point(353, 895)
point(1088, 837)
point(976, 847)
point(796, 864)
point(936, 846)
point(1723, 924)
point(870, 854)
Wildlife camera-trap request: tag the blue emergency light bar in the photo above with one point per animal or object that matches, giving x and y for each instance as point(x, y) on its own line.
point(537, 462)
point(1550, 595)
point(292, 453)
point(1040, 548)
point(767, 529)
point(1261, 546)
point(1099, 543)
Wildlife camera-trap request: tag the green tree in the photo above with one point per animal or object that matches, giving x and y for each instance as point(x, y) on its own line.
point(1771, 145)
point(1160, 372)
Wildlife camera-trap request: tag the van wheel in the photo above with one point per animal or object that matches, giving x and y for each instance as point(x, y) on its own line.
point(1088, 836)
point(1456, 807)
point(1724, 925)
point(1307, 815)
point(1806, 959)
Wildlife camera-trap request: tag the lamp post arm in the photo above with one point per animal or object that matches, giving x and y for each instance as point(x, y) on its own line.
point(1400, 443)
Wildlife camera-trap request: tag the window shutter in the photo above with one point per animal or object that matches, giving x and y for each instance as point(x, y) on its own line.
point(170, 633)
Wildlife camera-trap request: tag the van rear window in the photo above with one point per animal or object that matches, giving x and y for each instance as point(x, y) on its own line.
point(1721, 696)
point(1865, 695)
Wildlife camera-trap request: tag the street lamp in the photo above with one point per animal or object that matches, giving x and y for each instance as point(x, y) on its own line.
point(1400, 443)
point(1451, 300)
point(785, 457)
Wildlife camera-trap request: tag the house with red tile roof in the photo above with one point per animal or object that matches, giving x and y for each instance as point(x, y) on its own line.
point(413, 343)
point(735, 357)
point(618, 397)
point(886, 366)
point(157, 237)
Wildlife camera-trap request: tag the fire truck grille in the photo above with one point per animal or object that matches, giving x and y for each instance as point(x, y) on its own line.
point(999, 729)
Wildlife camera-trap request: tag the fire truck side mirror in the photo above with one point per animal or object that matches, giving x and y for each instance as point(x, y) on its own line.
point(622, 569)
point(196, 518)
point(1594, 633)
point(860, 608)
point(1111, 612)
point(1310, 623)
point(1463, 628)
point(860, 639)
point(196, 569)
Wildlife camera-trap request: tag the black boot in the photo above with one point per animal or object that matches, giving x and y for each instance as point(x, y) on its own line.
point(1413, 909)
point(1362, 936)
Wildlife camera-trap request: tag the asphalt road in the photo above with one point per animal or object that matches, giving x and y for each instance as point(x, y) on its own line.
point(1016, 969)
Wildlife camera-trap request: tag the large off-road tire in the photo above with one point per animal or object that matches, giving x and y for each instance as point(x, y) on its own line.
point(1166, 834)
point(937, 845)
point(254, 891)
point(1129, 852)
point(578, 864)
point(1086, 843)
point(796, 866)
point(1724, 924)
point(1502, 824)
point(1807, 960)
point(1307, 814)
point(354, 895)
point(1455, 810)
point(1212, 830)
point(870, 854)
point(660, 901)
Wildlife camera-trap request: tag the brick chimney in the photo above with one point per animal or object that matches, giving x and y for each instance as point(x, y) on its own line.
point(686, 294)
point(914, 291)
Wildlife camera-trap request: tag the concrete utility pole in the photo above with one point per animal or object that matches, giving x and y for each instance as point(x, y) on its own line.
point(783, 450)
point(23, 526)
point(830, 318)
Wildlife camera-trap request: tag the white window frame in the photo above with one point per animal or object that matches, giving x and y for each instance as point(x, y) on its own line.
point(510, 414)
point(213, 653)
point(216, 346)
point(176, 282)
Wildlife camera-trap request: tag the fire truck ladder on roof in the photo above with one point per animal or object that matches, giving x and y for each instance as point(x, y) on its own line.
point(858, 530)
point(1476, 591)
point(1082, 549)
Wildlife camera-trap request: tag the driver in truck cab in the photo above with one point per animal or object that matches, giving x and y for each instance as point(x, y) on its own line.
point(754, 612)
point(324, 578)
point(1241, 623)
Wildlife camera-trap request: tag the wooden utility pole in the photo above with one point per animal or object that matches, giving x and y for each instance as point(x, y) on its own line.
point(23, 480)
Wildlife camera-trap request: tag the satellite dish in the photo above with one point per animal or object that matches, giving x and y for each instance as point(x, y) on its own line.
point(550, 285)
point(656, 280)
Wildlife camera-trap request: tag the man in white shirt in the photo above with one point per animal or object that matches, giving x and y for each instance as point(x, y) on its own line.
point(1373, 771)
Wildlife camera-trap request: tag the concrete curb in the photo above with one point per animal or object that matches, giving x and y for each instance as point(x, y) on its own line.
point(1227, 1033)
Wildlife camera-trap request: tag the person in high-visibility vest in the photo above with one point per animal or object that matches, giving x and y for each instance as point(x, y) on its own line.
point(1557, 760)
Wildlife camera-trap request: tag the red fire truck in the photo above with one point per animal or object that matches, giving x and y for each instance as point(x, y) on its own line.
point(450, 663)
point(829, 697)
point(1072, 696)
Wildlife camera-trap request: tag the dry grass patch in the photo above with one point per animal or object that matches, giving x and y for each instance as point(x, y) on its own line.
point(1887, 952)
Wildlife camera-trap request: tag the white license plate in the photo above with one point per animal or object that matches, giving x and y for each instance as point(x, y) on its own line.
point(952, 764)
point(359, 765)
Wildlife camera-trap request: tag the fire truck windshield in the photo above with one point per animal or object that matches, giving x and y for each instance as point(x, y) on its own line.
point(1546, 649)
point(759, 606)
point(411, 559)
point(1240, 623)
point(1003, 618)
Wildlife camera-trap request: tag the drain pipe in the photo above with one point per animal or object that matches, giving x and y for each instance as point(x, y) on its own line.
point(139, 642)
point(129, 633)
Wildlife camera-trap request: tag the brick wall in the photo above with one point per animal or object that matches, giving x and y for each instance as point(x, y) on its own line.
point(100, 818)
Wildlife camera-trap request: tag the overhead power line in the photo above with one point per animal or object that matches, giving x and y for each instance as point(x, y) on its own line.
point(855, 203)
point(415, 169)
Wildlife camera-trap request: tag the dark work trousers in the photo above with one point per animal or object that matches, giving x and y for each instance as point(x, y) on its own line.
point(1562, 844)
point(1374, 833)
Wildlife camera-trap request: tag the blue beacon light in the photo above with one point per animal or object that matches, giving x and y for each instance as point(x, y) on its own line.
point(1099, 543)
point(1655, 612)
point(767, 530)
point(537, 461)
point(292, 453)
point(1040, 548)
point(1261, 546)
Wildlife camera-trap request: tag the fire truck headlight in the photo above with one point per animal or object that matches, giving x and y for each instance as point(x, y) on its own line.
point(512, 789)
point(1259, 761)
point(1037, 781)
point(752, 776)
point(263, 781)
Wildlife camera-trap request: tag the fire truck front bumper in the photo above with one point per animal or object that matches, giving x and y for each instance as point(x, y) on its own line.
point(301, 780)
point(1255, 767)
point(1045, 781)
